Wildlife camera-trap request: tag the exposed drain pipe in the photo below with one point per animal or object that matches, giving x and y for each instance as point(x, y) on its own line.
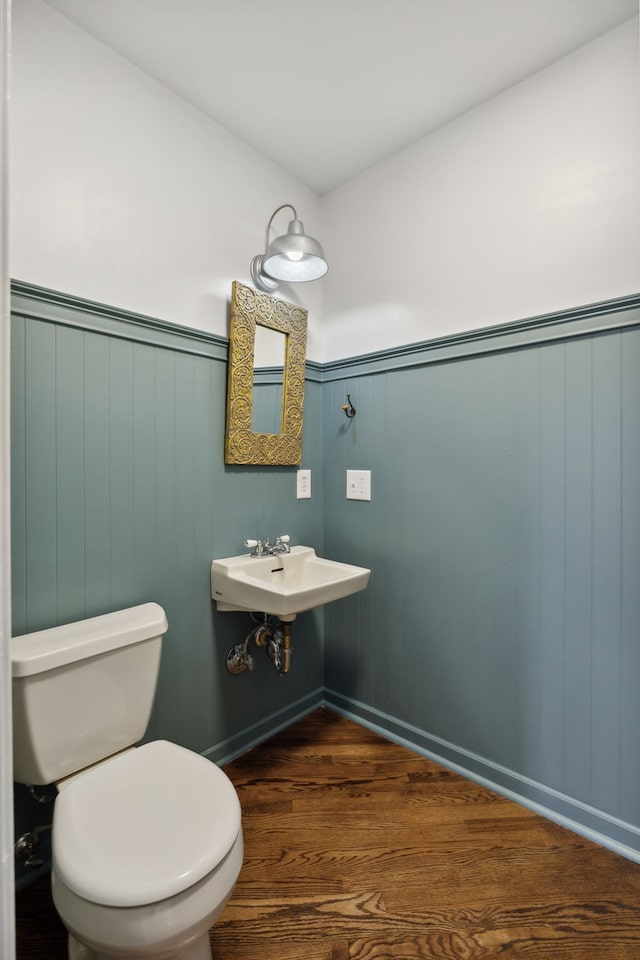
point(275, 635)
point(286, 646)
point(26, 844)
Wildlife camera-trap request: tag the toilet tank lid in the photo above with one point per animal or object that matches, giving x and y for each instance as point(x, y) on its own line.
point(34, 653)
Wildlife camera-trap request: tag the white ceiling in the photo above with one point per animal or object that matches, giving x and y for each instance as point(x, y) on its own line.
point(326, 88)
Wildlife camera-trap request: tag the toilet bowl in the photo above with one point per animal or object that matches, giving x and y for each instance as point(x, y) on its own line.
point(147, 841)
point(174, 929)
point(147, 847)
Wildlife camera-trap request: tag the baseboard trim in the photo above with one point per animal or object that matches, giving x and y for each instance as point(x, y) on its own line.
point(607, 831)
point(227, 750)
point(613, 834)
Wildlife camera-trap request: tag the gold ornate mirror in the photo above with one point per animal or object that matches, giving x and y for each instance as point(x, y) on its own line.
point(266, 379)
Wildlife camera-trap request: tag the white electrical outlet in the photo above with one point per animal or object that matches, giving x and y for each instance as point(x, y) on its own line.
point(303, 484)
point(358, 484)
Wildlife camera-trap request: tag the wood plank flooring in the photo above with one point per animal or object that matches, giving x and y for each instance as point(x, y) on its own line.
point(358, 849)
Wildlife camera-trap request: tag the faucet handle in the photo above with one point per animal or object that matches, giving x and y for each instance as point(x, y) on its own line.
point(282, 544)
point(257, 545)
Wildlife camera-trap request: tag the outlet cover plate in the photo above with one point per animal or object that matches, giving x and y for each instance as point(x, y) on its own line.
point(303, 484)
point(358, 484)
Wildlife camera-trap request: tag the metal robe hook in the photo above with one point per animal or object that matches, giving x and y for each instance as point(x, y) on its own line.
point(349, 409)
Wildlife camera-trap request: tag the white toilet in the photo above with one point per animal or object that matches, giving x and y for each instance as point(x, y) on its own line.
point(147, 841)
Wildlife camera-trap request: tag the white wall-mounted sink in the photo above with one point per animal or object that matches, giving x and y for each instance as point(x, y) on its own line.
point(285, 584)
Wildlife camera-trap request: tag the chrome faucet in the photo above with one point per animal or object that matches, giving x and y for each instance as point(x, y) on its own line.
point(280, 546)
point(268, 549)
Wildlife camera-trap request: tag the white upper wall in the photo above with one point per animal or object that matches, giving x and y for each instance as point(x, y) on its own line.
point(528, 204)
point(123, 193)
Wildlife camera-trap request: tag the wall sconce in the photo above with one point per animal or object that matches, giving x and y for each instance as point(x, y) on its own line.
point(294, 257)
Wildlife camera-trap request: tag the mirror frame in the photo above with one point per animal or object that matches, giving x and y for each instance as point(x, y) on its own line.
point(243, 445)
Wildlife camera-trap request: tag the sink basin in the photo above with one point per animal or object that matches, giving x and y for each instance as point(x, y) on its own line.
point(283, 585)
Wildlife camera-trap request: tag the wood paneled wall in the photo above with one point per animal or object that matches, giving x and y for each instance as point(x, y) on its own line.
point(501, 627)
point(121, 495)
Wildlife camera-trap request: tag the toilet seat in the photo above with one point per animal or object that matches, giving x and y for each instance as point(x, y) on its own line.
point(144, 825)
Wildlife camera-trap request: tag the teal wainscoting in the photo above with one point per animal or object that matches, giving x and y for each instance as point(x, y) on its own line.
point(121, 495)
point(500, 632)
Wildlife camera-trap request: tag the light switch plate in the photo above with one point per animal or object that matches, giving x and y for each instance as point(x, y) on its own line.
point(358, 484)
point(303, 484)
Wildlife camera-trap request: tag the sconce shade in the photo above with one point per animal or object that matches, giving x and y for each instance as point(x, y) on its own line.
point(293, 257)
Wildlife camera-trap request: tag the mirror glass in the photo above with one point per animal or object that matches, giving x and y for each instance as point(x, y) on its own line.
point(268, 379)
point(265, 391)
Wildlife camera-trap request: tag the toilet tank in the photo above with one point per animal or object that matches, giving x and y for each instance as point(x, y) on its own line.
point(83, 691)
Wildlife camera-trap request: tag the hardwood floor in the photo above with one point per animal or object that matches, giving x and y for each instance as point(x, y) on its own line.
point(357, 849)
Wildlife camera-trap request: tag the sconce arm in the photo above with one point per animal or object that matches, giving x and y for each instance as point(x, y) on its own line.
point(277, 210)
